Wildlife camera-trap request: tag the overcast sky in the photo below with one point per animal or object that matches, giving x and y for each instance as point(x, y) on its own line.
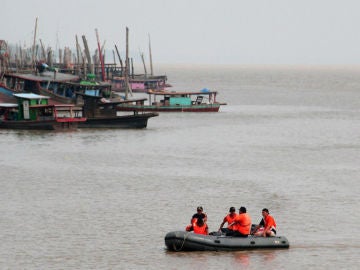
point(197, 31)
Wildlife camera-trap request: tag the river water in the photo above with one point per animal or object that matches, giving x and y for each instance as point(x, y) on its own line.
point(288, 140)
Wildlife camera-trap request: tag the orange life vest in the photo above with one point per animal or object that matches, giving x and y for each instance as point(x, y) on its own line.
point(200, 229)
point(230, 218)
point(269, 222)
point(243, 223)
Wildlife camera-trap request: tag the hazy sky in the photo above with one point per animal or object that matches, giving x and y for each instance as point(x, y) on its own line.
point(197, 31)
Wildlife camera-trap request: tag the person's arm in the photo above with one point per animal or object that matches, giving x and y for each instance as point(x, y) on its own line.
point(232, 223)
point(222, 224)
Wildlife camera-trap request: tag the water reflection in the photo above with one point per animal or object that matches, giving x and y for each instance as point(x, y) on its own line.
point(244, 258)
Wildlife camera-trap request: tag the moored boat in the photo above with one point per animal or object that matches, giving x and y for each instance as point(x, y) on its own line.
point(47, 83)
point(34, 112)
point(165, 101)
point(188, 241)
point(102, 113)
point(140, 83)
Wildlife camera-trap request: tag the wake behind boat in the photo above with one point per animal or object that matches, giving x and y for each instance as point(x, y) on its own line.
point(188, 241)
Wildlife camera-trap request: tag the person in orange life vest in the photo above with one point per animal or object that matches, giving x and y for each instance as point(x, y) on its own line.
point(199, 214)
point(229, 219)
point(243, 223)
point(198, 227)
point(268, 223)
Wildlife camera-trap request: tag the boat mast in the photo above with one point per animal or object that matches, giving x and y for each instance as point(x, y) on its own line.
point(151, 65)
point(87, 53)
point(143, 60)
point(33, 47)
point(78, 69)
point(127, 84)
point(43, 54)
point(100, 56)
point(121, 62)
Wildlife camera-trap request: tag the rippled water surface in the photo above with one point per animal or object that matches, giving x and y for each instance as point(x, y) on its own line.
point(288, 140)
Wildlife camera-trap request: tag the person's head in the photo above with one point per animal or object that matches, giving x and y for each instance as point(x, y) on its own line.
point(265, 212)
point(242, 209)
point(200, 222)
point(232, 209)
point(199, 209)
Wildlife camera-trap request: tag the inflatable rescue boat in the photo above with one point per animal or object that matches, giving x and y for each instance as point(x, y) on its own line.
point(189, 241)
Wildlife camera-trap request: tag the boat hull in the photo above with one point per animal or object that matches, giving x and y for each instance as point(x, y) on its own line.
point(38, 125)
point(150, 108)
point(188, 241)
point(126, 121)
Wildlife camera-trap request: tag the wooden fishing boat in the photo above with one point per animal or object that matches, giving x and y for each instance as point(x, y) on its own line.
point(165, 101)
point(34, 112)
point(102, 113)
point(47, 83)
point(140, 83)
point(189, 241)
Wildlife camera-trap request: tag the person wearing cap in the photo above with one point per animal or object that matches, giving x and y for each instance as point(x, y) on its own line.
point(229, 219)
point(243, 223)
point(267, 225)
point(199, 214)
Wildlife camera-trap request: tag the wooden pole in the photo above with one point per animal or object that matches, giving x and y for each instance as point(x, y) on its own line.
point(150, 55)
point(127, 84)
point(121, 62)
point(78, 69)
point(33, 47)
point(100, 56)
point(87, 53)
point(43, 53)
point(143, 60)
point(132, 68)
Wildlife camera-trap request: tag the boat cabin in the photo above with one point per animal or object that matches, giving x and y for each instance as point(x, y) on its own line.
point(35, 107)
point(32, 107)
point(181, 98)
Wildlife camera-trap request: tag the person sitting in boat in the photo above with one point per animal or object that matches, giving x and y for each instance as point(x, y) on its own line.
point(229, 219)
point(199, 227)
point(199, 214)
point(242, 223)
point(267, 225)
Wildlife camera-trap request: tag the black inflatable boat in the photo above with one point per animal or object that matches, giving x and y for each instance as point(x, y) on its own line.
point(189, 241)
